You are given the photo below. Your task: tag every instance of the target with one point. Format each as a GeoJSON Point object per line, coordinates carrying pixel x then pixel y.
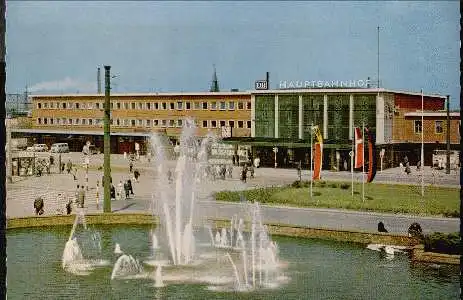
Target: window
{"type": "Point", "coordinates": [213, 105]}
{"type": "Point", "coordinates": [112, 105]}
{"type": "Point", "coordinates": [418, 126]}
{"type": "Point", "coordinates": [52, 104]}
{"type": "Point", "coordinates": [97, 105]}
{"type": "Point", "coordinates": [45, 121]}
{"type": "Point", "coordinates": [140, 123]}
{"type": "Point", "coordinates": [69, 121]}
{"type": "Point", "coordinates": [222, 123]}
{"type": "Point", "coordinates": [148, 105]}
{"type": "Point", "coordinates": [148, 122]}
{"type": "Point", "coordinates": [439, 127]}
{"type": "Point", "coordinates": [188, 105]}
{"type": "Point", "coordinates": [90, 121]}
{"type": "Point", "coordinates": [240, 124]}
{"type": "Point", "coordinates": [111, 121]}
{"type": "Point", "coordinates": [172, 105]}
{"type": "Point", "coordinates": [204, 123]}
{"type": "Point", "coordinates": [213, 123]}
{"type": "Point", "coordinates": [132, 122]}
{"type": "Point", "coordinates": [248, 105]}
{"type": "Point", "coordinates": [39, 120]}
{"type": "Point", "coordinates": [39, 105]}
{"type": "Point", "coordinates": [204, 105]}
{"type": "Point", "coordinates": [98, 122]}
{"type": "Point", "coordinates": [118, 104]}
{"type": "Point", "coordinates": [156, 105]}
{"type": "Point", "coordinates": [240, 105]}
{"type": "Point", "coordinates": [197, 105]}
{"type": "Point", "coordinates": [248, 124]}
{"type": "Point", "coordinates": [76, 121]}
{"type": "Point", "coordinates": [51, 121]}
{"type": "Point", "coordinates": [231, 124]}
{"type": "Point", "coordinates": [179, 105]}
{"type": "Point", "coordinates": [223, 105]}
{"type": "Point", "coordinates": [126, 105]}
{"type": "Point", "coordinates": [57, 121]}
{"type": "Point", "coordinates": [126, 122]}
{"type": "Point", "coordinates": [179, 123]}
{"type": "Point", "coordinates": [140, 105]}
{"type": "Point", "coordinates": [63, 105]}
{"type": "Point", "coordinates": [231, 105]}
{"type": "Point", "coordinates": [90, 105]}
{"type": "Point", "coordinates": [84, 121]}
{"type": "Point", "coordinates": [155, 122]}
{"type": "Point", "coordinates": [132, 105]}
{"type": "Point", "coordinates": [45, 105]}
{"type": "Point", "coordinates": [63, 121]}
{"type": "Point", "coordinates": [164, 105]}
{"type": "Point", "coordinates": [118, 122]}
{"type": "Point", "coordinates": [164, 123]}
{"type": "Point", "coordinates": [171, 123]}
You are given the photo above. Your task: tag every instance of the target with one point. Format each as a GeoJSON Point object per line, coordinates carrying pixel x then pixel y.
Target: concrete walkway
{"type": "Point", "coordinates": [22, 192]}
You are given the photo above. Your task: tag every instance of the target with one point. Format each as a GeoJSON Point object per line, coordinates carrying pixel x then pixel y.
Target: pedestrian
{"type": "Point", "coordinates": [251, 169]}
{"type": "Point", "coordinates": [136, 175]}
{"type": "Point", "coordinates": [97, 195]}
{"type": "Point", "coordinates": [120, 188]}
{"type": "Point", "coordinates": [74, 172]}
{"type": "Point", "coordinates": [130, 166]}
{"type": "Point", "coordinates": [39, 205]}
{"type": "Point", "coordinates": [230, 171]}
{"type": "Point", "coordinates": [129, 185]}
{"type": "Point", "coordinates": [381, 227]}
{"type": "Point", "coordinates": [149, 156]}
{"type": "Point", "coordinates": [233, 159]}
{"type": "Point", "coordinates": [299, 171]}
{"type": "Point", "coordinates": [169, 176]}
{"type": "Point", "coordinates": [113, 192]}
{"type": "Point", "coordinates": [76, 195]}
{"type": "Point", "coordinates": [126, 189]}
{"type": "Point", "coordinates": [69, 207]}
{"type": "Point", "coordinates": [69, 166]}
{"type": "Point", "coordinates": [244, 172]}
{"type": "Point", "coordinates": [81, 197]}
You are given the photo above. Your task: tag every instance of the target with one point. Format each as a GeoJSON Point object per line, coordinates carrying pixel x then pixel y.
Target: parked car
{"type": "Point", "coordinates": [59, 148]}
{"type": "Point", "coordinates": [40, 147]}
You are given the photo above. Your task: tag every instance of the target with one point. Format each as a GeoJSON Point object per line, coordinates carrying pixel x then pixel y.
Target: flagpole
{"type": "Point", "coordinates": [352, 160]}
{"type": "Point", "coordinates": [311, 161]}
{"type": "Point", "coordinates": [422, 144]}
{"type": "Point", "coordinates": [363, 162]}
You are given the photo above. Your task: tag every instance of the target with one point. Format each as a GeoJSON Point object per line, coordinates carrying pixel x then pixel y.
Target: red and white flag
{"type": "Point", "coordinates": [358, 148]}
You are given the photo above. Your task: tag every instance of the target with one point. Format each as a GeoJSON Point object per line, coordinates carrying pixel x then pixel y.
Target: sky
{"type": "Point", "coordinates": [55, 47]}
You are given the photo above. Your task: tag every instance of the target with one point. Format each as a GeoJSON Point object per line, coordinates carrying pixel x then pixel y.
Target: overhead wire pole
{"type": "Point", "coordinates": [422, 144]}
{"type": "Point", "coordinates": [447, 167]}
{"type": "Point", "coordinates": [378, 57]}
{"type": "Point", "coordinates": [363, 162]}
{"type": "Point", "coordinates": [311, 161]}
{"type": "Point", "coordinates": [107, 143]}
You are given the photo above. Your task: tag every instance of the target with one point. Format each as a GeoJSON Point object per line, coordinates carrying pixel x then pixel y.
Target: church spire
{"type": "Point", "coordinates": [215, 82]}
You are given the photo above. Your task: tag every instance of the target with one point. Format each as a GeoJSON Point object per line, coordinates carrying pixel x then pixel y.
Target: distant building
{"type": "Point", "coordinates": [258, 120]}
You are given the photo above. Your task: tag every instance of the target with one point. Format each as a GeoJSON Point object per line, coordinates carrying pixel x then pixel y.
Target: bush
{"type": "Point", "coordinates": [316, 193]}
{"type": "Point", "coordinates": [322, 184]}
{"type": "Point", "coordinates": [333, 185]}
{"type": "Point", "coordinates": [451, 214]}
{"type": "Point", "coordinates": [344, 186]}
{"type": "Point", "coordinates": [442, 243]}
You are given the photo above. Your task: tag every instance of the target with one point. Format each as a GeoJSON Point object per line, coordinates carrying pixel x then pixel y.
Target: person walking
{"type": "Point", "coordinates": [120, 187]}
{"type": "Point", "coordinates": [69, 166]}
{"type": "Point", "coordinates": [126, 189]}
{"type": "Point", "coordinates": [97, 194]}
{"type": "Point", "coordinates": [81, 197]}
{"type": "Point", "coordinates": [251, 170]}
{"type": "Point", "coordinates": [129, 184]}
{"type": "Point", "coordinates": [130, 166]}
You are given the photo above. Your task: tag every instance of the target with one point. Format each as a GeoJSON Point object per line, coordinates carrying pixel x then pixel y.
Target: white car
{"type": "Point", "coordinates": [40, 148]}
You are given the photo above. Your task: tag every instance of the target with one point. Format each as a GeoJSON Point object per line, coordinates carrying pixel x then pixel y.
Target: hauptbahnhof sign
{"type": "Point", "coordinates": [308, 84]}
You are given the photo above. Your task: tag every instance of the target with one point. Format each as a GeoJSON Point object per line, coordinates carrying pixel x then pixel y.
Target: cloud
{"type": "Point", "coordinates": [64, 85]}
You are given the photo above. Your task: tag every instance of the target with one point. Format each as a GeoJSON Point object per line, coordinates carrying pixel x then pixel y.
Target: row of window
{"type": "Point", "coordinates": [178, 105]}
{"type": "Point", "coordinates": [438, 126]}
{"type": "Point", "coordinates": [144, 123]}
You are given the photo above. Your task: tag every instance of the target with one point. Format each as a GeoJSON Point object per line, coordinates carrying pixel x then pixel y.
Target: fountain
{"type": "Point", "coordinates": [126, 265]}
{"type": "Point", "coordinates": [73, 259]}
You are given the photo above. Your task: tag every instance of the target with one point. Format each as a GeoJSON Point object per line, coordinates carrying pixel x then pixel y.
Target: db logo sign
{"type": "Point", "coordinates": [261, 85]}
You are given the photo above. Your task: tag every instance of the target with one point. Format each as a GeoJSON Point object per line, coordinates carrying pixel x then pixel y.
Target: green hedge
{"type": "Point", "coordinates": [442, 243]}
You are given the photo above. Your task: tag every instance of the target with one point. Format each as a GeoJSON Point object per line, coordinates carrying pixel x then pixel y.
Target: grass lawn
{"type": "Point", "coordinates": [392, 198]}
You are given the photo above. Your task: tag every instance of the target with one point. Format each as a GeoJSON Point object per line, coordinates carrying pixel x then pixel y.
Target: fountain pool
{"type": "Point", "coordinates": [314, 270]}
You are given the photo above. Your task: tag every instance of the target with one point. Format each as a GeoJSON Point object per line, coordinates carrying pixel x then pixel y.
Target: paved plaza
{"type": "Point", "coordinates": [22, 192]}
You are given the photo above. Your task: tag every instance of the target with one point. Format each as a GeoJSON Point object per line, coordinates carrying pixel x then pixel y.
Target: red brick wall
{"type": "Point", "coordinates": [413, 102]}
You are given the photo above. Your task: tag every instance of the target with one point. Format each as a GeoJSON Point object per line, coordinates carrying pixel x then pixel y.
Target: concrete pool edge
{"type": "Point", "coordinates": [413, 245]}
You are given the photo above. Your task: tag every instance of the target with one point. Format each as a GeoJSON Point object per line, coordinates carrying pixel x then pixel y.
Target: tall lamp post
{"type": "Point", "coordinates": [107, 143]}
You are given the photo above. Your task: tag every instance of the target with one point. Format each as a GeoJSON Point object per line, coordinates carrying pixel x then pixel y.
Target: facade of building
{"type": "Point", "coordinates": [260, 119]}
{"type": "Point", "coordinates": [134, 117]}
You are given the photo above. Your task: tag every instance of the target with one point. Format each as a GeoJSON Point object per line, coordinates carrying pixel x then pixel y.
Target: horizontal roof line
{"type": "Point", "coordinates": [74, 132]}
{"type": "Point", "coordinates": [246, 93]}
